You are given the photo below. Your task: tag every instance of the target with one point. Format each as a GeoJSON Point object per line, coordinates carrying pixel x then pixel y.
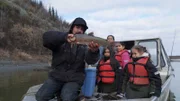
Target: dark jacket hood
{"type": "Point", "coordinates": [79, 21]}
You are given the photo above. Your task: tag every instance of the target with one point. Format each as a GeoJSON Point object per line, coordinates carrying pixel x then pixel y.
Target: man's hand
{"type": "Point", "coordinates": [155, 94]}
{"type": "Point", "coordinates": [71, 38]}
{"type": "Point", "coordinates": [93, 46]}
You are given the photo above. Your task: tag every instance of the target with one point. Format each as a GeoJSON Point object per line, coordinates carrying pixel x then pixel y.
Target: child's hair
{"type": "Point", "coordinates": [123, 44]}
{"type": "Point", "coordinates": [140, 48]}
{"type": "Point", "coordinates": [113, 61]}
{"type": "Point", "coordinates": [111, 36]}
{"type": "Point", "coordinates": [112, 53]}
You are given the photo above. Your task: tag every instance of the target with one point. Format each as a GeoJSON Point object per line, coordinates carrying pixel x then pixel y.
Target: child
{"type": "Point", "coordinates": [110, 38]}
{"type": "Point", "coordinates": [108, 73]}
{"type": "Point", "coordinates": [122, 55]}
{"type": "Point", "coordinates": [141, 78]}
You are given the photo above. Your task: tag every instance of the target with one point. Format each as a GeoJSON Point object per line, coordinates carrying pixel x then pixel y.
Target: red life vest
{"type": "Point", "coordinates": [106, 73]}
{"type": "Point", "coordinates": [118, 56]}
{"type": "Point", "coordinates": [138, 72]}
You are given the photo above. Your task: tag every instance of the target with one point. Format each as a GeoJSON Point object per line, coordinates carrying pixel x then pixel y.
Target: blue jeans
{"type": "Point", "coordinates": [51, 87]}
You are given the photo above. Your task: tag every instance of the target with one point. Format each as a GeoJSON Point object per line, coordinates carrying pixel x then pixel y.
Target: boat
{"type": "Point", "coordinates": [160, 59]}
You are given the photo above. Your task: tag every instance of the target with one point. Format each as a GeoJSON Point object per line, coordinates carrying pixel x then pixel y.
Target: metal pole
{"type": "Point", "coordinates": [173, 42]}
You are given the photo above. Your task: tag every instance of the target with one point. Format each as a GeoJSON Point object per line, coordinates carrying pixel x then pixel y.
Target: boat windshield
{"type": "Point", "coordinates": [151, 47]}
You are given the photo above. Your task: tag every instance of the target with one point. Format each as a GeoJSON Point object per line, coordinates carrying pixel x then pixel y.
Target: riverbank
{"type": "Point", "coordinates": [17, 56]}
{"type": "Point", "coordinates": [174, 57]}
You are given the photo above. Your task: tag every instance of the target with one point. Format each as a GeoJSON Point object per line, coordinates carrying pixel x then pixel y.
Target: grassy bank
{"type": "Point", "coordinates": [18, 55]}
{"type": "Point", "coordinates": [22, 23]}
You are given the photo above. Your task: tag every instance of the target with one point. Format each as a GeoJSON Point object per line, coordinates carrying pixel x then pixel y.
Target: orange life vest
{"type": "Point", "coordinates": [106, 74]}
{"type": "Point", "coordinates": [138, 72]}
{"type": "Point", "coordinates": [118, 56]}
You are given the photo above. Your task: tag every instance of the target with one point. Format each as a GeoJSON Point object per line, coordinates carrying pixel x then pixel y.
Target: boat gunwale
{"type": "Point", "coordinates": [163, 86]}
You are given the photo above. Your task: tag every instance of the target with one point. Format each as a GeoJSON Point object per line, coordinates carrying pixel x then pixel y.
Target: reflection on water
{"type": "Point", "coordinates": [175, 82]}
{"type": "Point", "coordinates": [14, 85]}
{"type": "Point", "coordinates": [171, 96]}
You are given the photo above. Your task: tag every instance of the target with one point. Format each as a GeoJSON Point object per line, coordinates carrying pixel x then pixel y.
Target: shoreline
{"type": "Point", "coordinates": [174, 57]}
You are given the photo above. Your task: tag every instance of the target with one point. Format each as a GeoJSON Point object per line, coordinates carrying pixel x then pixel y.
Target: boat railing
{"type": "Point", "coordinates": [164, 86]}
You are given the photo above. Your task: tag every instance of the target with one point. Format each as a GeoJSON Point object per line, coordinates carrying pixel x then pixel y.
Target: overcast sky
{"type": "Point", "coordinates": [126, 19]}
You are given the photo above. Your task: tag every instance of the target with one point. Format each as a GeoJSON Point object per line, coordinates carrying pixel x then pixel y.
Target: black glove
{"type": "Point", "coordinates": [157, 93]}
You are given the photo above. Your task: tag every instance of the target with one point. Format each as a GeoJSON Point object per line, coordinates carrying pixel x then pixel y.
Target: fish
{"type": "Point", "coordinates": [86, 39]}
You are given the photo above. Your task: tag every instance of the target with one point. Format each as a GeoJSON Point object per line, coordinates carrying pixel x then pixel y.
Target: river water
{"type": "Point", "coordinates": [16, 79]}
{"type": "Point", "coordinates": [176, 81]}
{"type": "Point", "coordinates": [14, 84]}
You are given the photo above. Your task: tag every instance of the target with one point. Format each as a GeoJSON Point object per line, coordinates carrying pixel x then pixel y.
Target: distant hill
{"type": "Point", "coordinates": [22, 23]}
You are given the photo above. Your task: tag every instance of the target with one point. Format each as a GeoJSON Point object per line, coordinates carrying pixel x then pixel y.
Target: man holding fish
{"type": "Point", "coordinates": [68, 62]}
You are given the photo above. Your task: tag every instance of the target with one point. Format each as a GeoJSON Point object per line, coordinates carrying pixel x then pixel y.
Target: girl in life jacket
{"type": "Point", "coordinates": [122, 55]}
{"type": "Point", "coordinates": [108, 73]}
{"type": "Point", "coordinates": [141, 78]}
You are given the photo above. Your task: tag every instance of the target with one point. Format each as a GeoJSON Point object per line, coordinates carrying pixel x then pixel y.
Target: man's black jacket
{"type": "Point", "coordinates": [68, 60]}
